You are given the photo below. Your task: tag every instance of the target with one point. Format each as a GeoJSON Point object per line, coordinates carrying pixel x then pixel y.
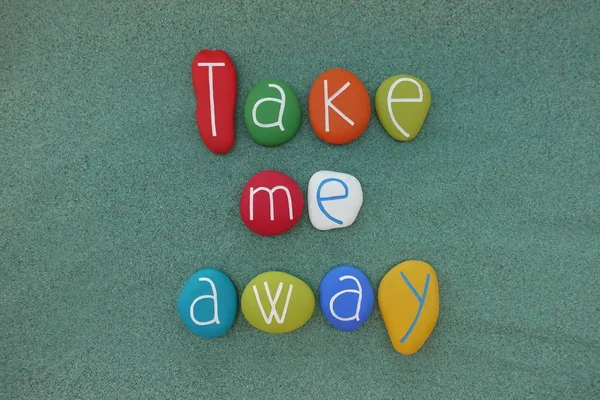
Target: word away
{"type": "Point", "coordinates": [277, 302]}
{"type": "Point", "coordinates": [339, 105]}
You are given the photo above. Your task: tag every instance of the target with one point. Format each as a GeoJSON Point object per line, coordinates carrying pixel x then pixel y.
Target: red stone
{"type": "Point", "coordinates": [215, 114]}
{"type": "Point", "coordinates": [265, 206]}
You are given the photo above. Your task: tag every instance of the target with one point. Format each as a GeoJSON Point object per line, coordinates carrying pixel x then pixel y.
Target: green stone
{"type": "Point", "coordinates": [277, 302]}
{"type": "Point", "coordinates": [402, 103]}
{"type": "Point", "coordinates": [272, 112]}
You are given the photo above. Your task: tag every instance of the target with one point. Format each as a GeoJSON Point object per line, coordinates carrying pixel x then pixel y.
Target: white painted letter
{"type": "Point", "coordinates": [213, 296]}
{"type": "Point", "coordinates": [281, 108]}
{"type": "Point", "coordinates": [271, 205]}
{"type": "Point", "coordinates": [273, 302]}
{"type": "Point", "coordinates": [328, 104]}
{"type": "Point", "coordinates": [391, 100]}
{"type": "Point", "coordinates": [211, 92]}
{"type": "Point", "coordinates": [359, 292]}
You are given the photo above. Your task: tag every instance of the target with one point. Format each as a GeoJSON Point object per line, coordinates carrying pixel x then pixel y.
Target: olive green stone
{"type": "Point", "coordinates": [272, 112]}
{"type": "Point", "coordinates": [402, 103]}
{"type": "Point", "coordinates": [277, 302]}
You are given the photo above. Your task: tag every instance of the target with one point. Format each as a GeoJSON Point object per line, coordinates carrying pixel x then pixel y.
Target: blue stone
{"type": "Point", "coordinates": [208, 303]}
{"type": "Point", "coordinates": [346, 297]}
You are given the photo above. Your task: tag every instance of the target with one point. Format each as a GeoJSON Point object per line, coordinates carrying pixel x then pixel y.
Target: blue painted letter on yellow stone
{"type": "Point", "coordinates": [408, 298]}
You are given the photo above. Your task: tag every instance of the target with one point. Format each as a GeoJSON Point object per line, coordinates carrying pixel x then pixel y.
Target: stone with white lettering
{"type": "Point", "coordinates": [207, 303]}
{"type": "Point", "coordinates": [215, 84]}
{"type": "Point", "coordinates": [339, 106]}
{"type": "Point", "coordinates": [334, 200]}
{"type": "Point", "coordinates": [271, 203]}
{"type": "Point", "coordinates": [272, 112]}
{"type": "Point", "coordinates": [346, 297]}
{"type": "Point", "coordinates": [402, 103]}
{"type": "Point", "coordinates": [277, 302]}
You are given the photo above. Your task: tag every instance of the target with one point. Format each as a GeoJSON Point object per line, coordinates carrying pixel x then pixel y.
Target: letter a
{"type": "Point", "coordinates": [281, 108]}
{"type": "Point", "coordinates": [213, 296]}
{"type": "Point", "coordinates": [329, 104]}
{"type": "Point", "coordinates": [273, 303]}
{"type": "Point", "coordinates": [358, 292]}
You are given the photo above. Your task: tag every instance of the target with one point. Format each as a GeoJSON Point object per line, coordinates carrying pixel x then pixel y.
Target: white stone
{"type": "Point", "coordinates": [334, 200]}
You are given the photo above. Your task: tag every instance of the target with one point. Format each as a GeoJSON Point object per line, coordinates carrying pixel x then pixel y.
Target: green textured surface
{"type": "Point", "coordinates": [109, 201]}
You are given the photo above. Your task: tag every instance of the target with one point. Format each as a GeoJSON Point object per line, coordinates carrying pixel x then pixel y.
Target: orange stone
{"type": "Point", "coordinates": [339, 106]}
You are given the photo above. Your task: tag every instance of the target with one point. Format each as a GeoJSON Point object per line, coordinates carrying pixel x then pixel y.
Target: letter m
{"type": "Point", "coordinates": [253, 191]}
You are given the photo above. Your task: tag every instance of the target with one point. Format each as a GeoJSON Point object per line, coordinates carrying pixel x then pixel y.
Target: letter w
{"type": "Point", "coordinates": [273, 303]}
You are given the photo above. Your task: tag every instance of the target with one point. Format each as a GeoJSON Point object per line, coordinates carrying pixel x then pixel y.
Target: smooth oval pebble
{"type": "Point", "coordinates": [408, 298]}
{"type": "Point", "coordinates": [271, 203]}
{"type": "Point", "coordinates": [272, 112]}
{"type": "Point", "coordinates": [207, 303]}
{"type": "Point", "coordinates": [402, 103]}
{"type": "Point", "coordinates": [277, 302]}
{"type": "Point", "coordinates": [339, 106]}
{"type": "Point", "coordinates": [346, 297]}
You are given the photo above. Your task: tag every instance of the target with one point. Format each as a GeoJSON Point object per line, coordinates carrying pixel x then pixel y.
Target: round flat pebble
{"type": "Point", "coordinates": [339, 106]}
{"type": "Point", "coordinates": [271, 203]}
{"type": "Point", "coordinates": [208, 304]}
{"type": "Point", "coordinates": [402, 103]}
{"type": "Point", "coordinates": [272, 112]}
{"type": "Point", "coordinates": [277, 302]}
{"type": "Point", "coordinates": [408, 298]}
{"type": "Point", "coordinates": [346, 297]}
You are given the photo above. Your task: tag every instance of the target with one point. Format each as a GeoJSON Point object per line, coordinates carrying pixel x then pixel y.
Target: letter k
{"type": "Point", "coordinates": [329, 104]}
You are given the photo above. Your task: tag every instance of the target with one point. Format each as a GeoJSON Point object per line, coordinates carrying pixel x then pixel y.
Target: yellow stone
{"type": "Point", "coordinates": [408, 298]}
{"type": "Point", "coordinates": [402, 103]}
{"type": "Point", "coordinates": [277, 302]}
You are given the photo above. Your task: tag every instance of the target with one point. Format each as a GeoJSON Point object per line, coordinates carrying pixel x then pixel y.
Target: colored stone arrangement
{"type": "Point", "coordinates": [339, 105]}
{"type": "Point", "coordinates": [271, 203]}
{"type": "Point", "coordinates": [277, 302]}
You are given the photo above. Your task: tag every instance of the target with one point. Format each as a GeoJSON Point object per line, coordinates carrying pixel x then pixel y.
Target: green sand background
{"type": "Point", "coordinates": [109, 201]}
